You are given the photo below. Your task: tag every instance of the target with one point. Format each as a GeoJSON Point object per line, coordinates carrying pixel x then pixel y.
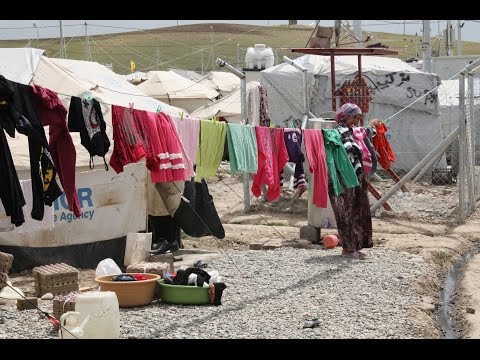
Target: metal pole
{"type": "Point", "coordinates": [427, 50]}
{"type": "Point", "coordinates": [88, 52]}
{"type": "Point", "coordinates": [332, 76]}
{"type": "Point", "coordinates": [415, 169]}
{"type": "Point", "coordinates": [201, 53]}
{"type": "Point", "coordinates": [461, 147]}
{"type": "Point", "coordinates": [35, 26]}
{"type": "Point", "coordinates": [448, 39]}
{"type": "Point", "coordinates": [472, 139]}
{"type": "Point", "coordinates": [62, 42]}
{"type": "Point", "coordinates": [459, 38]}
{"type": "Point", "coordinates": [238, 55]}
{"type": "Point", "coordinates": [243, 95]}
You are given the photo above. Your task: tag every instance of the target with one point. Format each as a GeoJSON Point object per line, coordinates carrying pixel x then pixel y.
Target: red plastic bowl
{"type": "Point", "coordinates": [330, 241]}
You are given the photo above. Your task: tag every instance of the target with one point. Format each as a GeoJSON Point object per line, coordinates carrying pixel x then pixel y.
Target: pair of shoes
{"type": "Point", "coordinates": [165, 247]}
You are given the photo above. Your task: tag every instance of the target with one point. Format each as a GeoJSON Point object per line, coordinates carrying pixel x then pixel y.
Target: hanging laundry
{"type": "Point", "coordinates": [385, 152]}
{"type": "Point", "coordinates": [353, 150]}
{"type": "Point", "coordinates": [210, 148]}
{"type": "Point", "coordinates": [10, 189]}
{"type": "Point", "coordinates": [272, 157]}
{"type": "Point", "coordinates": [85, 116]}
{"type": "Point", "coordinates": [164, 154]}
{"type": "Point", "coordinates": [253, 104]}
{"type": "Point", "coordinates": [188, 131]}
{"type": "Point", "coordinates": [242, 148]}
{"type": "Point", "coordinates": [42, 170]}
{"type": "Point", "coordinates": [371, 133]}
{"type": "Point", "coordinates": [338, 161]}
{"type": "Point", "coordinates": [359, 134]}
{"type": "Point", "coordinates": [53, 114]}
{"type": "Point", "coordinates": [293, 143]}
{"type": "Point", "coordinates": [30, 225]}
{"type": "Point", "coordinates": [198, 217]}
{"type": "Point", "coordinates": [127, 141]}
{"type": "Point", "coordinates": [264, 117]}
{"type": "Point", "coordinates": [316, 156]}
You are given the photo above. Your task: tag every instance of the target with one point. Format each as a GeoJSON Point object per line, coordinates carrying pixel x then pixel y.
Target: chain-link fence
{"type": "Point", "coordinates": [444, 185]}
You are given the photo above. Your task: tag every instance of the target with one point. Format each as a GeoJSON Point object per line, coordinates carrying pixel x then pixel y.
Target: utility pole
{"type": "Point", "coordinates": [427, 50]}
{"type": "Point", "coordinates": [211, 46]}
{"type": "Point", "coordinates": [62, 42]}
{"type": "Point", "coordinates": [88, 51]}
{"type": "Point", "coordinates": [35, 26]}
{"type": "Point", "coordinates": [201, 53]}
{"type": "Point", "coordinates": [459, 38]}
{"type": "Point", "coordinates": [157, 57]}
{"type": "Point", "coordinates": [238, 55]}
{"type": "Point", "coordinates": [448, 38]}
{"type": "Point", "coordinates": [357, 30]}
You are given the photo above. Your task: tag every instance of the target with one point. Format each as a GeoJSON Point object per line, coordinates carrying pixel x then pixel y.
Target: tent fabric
{"type": "Point", "coordinates": [189, 74]}
{"type": "Point", "coordinates": [223, 82]}
{"type": "Point", "coordinates": [19, 64]}
{"type": "Point", "coordinates": [228, 107]}
{"type": "Point", "coordinates": [176, 90]}
{"type": "Point", "coordinates": [393, 85]}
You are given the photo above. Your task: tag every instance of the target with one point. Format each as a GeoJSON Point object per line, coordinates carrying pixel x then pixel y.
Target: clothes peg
{"type": "Point", "coordinates": [159, 109]}
{"type": "Point", "coordinates": [181, 115]}
{"type": "Point", "coordinates": [87, 95]}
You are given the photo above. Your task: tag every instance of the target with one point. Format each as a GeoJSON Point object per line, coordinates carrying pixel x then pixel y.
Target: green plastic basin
{"type": "Point", "coordinates": [183, 294]}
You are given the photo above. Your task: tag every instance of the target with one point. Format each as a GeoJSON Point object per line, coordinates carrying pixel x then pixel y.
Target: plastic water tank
{"type": "Point", "coordinates": [259, 57]}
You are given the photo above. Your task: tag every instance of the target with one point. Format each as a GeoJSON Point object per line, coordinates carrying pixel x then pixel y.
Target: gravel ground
{"type": "Point", "coordinates": [279, 293]}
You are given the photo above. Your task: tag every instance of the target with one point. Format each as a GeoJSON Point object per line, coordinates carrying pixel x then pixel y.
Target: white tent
{"type": "Point", "coordinates": [176, 90]}
{"type": "Point", "coordinates": [228, 107]}
{"type": "Point", "coordinates": [393, 84]}
{"type": "Point", "coordinates": [448, 95]}
{"type": "Point", "coordinates": [221, 81]}
{"type": "Point", "coordinates": [189, 74]}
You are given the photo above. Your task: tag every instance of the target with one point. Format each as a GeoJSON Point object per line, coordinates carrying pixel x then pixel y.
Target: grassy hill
{"type": "Point", "coordinates": [195, 47]}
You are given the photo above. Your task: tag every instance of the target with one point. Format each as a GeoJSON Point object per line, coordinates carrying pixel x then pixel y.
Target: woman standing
{"type": "Point", "coordinates": [352, 207]}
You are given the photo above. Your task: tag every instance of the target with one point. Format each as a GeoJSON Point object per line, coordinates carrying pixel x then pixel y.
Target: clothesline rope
{"type": "Point", "coordinates": [387, 121]}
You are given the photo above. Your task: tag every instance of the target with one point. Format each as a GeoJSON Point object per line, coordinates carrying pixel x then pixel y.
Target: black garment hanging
{"type": "Point", "coordinates": [18, 107]}
{"type": "Point", "coordinates": [198, 217]}
{"type": "Point", "coordinates": [85, 116]}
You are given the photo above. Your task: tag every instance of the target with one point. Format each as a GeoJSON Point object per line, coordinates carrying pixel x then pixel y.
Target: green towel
{"type": "Point", "coordinates": [210, 148]}
{"type": "Point", "coordinates": [242, 148]}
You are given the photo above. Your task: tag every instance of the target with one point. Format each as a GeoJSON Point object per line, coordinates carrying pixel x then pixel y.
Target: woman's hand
{"type": "Point", "coordinates": [374, 122]}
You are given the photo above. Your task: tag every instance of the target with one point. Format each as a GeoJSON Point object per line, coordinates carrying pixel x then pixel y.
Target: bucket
{"type": "Point", "coordinates": [103, 310]}
{"type": "Point", "coordinates": [330, 241]}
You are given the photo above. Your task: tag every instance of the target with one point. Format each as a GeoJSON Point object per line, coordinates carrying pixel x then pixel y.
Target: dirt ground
{"type": "Point", "coordinates": [423, 222]}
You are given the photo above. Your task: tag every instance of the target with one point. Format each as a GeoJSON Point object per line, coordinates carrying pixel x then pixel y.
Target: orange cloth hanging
{"type": "Point", "coordinates": [385, 152]}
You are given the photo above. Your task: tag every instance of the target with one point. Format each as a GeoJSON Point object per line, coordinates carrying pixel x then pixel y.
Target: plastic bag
{"type": "Point", "coordinates": [107, 267]}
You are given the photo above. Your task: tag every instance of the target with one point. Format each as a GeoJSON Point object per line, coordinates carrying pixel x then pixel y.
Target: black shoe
{"type": "Point", "coordinates": [165, 247]}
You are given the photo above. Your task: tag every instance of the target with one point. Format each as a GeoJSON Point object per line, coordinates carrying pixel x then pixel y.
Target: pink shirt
{"type": "Point", "coordinates": [272, 157]}
{"type": "Point", "coordinates": [315, 149]}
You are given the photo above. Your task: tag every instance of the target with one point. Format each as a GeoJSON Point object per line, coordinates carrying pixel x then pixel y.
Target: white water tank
{"type": "Point", "coordinates": [259, 57]}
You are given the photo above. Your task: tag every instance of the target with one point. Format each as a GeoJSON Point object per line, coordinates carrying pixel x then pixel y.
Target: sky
{"type": "Point", "coordinates": [30, 29]}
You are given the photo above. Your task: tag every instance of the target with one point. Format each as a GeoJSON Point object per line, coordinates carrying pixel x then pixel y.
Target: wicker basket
{"type": "Point", "coordinates": [56, 279]}
{"type": "Point", "coordinates": [6, 261]}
